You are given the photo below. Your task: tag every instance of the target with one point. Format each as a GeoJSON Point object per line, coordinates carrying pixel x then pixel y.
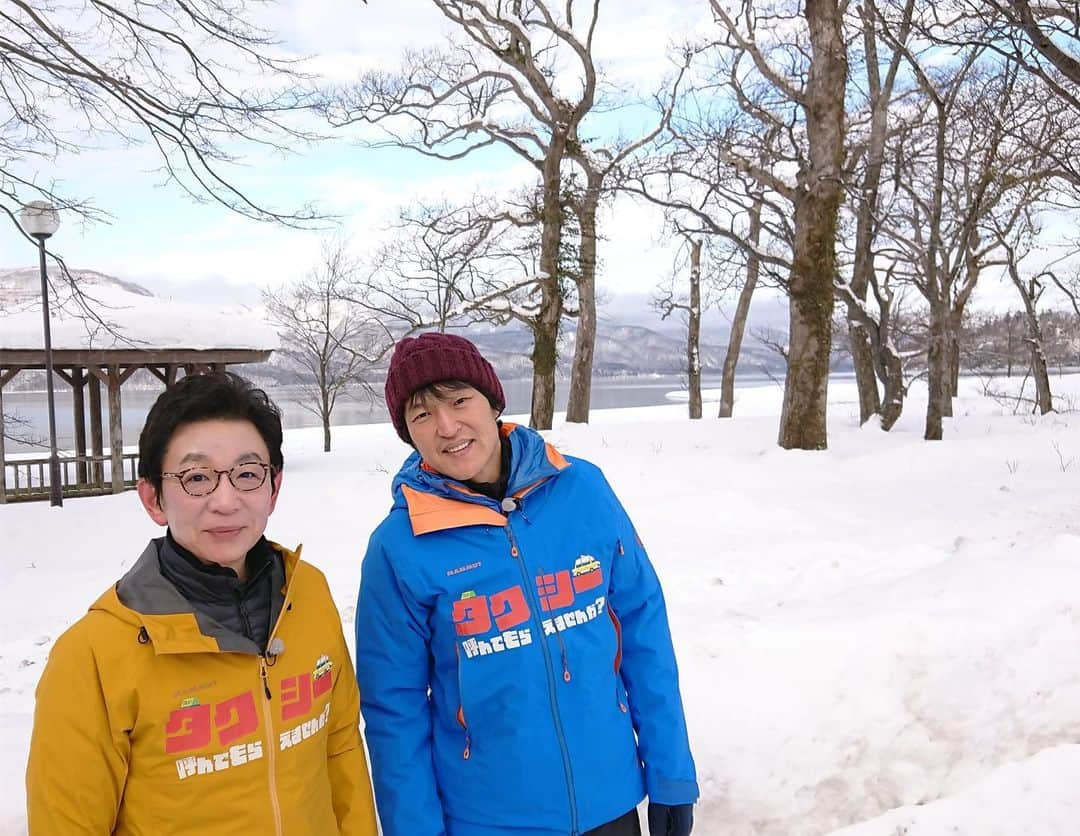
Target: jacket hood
{"type": "Point", "coordinates": [436, 502]}
{"type": "Point", "coordinates": [144, 599]}
{"type": "Point", "coordinates": [531, 460]}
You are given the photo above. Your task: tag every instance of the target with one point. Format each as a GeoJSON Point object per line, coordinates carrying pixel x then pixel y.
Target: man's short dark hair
{"type": "Point", "coordinates": [203, 397]}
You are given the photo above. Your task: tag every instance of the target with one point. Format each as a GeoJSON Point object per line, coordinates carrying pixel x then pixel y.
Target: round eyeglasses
{"type": "Point", "coordinates": [203, 481]}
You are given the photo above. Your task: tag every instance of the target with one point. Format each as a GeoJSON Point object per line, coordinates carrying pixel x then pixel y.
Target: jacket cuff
{"type": "Point", "coordinates": [664, 791]}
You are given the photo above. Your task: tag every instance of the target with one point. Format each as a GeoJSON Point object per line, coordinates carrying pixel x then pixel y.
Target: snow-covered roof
{"type": "Point", "coordinates": [123, 315]}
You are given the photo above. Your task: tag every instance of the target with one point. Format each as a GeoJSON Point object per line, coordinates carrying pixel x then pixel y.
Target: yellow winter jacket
{"type": "Point", "coordinates": [150, 723]}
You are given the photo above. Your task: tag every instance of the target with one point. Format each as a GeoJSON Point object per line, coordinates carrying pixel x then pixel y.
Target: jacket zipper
{"type": "Point", "coordinates": [562, 645]}
{"type": "Point", "coordinates": [461, 703]}
{"type": "Point", "coordinates": [530, 587]}
{"type": "Point", "coordinates": [618, 639]}
{"type": "Point", "coordinates": [617, 625]}
{"type": "Point", "coordinates": [271, 749]}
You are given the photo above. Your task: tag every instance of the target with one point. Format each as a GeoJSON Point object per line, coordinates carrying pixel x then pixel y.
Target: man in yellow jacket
{"type": "Point", "coordinates": [210, 690]}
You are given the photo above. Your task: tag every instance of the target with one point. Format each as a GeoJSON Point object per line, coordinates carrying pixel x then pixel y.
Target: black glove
{"type": "Point", "coordinates": [665, 820]}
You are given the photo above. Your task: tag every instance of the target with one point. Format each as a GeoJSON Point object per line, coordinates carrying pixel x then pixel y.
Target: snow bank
{"type": "Point", "coordinates": [868, 629]}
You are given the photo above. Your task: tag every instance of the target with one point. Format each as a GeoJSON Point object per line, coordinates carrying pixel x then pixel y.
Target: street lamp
{"type": "Point", "coordinates": [40, 220]}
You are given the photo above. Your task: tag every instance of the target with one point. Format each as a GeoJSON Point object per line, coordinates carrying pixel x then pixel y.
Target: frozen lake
{"type": "Point", "coordinates": [607, 393]}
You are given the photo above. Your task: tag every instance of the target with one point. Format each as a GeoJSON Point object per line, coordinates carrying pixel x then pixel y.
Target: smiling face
{"type": "Point", "coordinates": [456, 433]}
{"type": "Point", "coordinates": [223, 526]}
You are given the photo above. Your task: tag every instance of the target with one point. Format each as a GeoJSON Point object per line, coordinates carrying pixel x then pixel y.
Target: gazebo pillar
{"type": "Point", "coordinates": [5, 376]}
{"type": "Point", "coordinates": [78, 414]}
{"type": "Point", "coordinates": [116, 431]}
{"type": "Point", "coordinates": [76, 380]}
{"type": "Point", "coordinates": [97, 448]}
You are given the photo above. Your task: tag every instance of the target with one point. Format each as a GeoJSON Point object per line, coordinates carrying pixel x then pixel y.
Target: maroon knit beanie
{"type": "Point", "coordinates": [430, 358]}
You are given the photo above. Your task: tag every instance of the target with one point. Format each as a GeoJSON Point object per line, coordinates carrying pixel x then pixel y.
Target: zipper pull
{"type": "Point", "coordinates": [266, 684]}
{"type": "Point", "coordinates": [565, 667]}
{"type": "Point", "coordinates": [468, 749]}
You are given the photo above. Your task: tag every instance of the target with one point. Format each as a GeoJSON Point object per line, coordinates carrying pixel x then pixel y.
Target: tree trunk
{"type": "Point", "coordinates": [693, 333]}
{"type": "Point", "coordinates": [325, 409]}
{"type": "Point", "coordinates": [742, 313]}
{"type": "Point", "coordinates": [937, 369]}
{"type": "Point", "coordinates": [862, 359]}
{"type": "Point", "coordinates": [577, 409]}
{"type": "Point", "coordinates": [1008, 345]}
{"type": "Point", "coordinates": [544, 358]}
{"type": "Point", "coordinates": [869, 352]}
{"type": "Point", "coordinates": [954, 363]}
{"type": "Point", "coordinates": [1043, 396]}
{"type": "Point", "coordinates": [862, 354]}
{"type": "Point", "coordinates": [546, 327]}
{"type": "Point", "coordinates": [1044, 399]}
{"type": "Point", "coordinates": [893, 404]}
{"type": "Point", "coordinates": [888, 366]}
{"type": "Point", "coordinates": [802, 421]}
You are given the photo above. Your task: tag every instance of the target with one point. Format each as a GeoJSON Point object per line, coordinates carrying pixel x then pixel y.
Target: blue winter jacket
{"type": "Point", "coordinates": [506, 658]}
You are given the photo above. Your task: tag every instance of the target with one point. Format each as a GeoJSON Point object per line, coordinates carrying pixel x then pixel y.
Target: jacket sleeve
{"type": "Point", "coordinates": [350, 783]}
{"type": "Point", "coordinates": [78, 760]}
{"type": "Point", "coordinates": [649, 670]}
{"type": "Point", "coordinates": [392, 641]}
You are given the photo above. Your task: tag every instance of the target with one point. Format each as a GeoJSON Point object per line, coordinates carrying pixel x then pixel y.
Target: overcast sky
{"type": "Point", "coordinates": [160, 237]}
{"type": "Point", "coordinates": [158, 234]}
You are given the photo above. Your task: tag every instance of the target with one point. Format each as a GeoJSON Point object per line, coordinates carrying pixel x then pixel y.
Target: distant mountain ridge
{"type": "Point", "coordinates": [21, 285]}
{"type": "Point", "coordinates": [621, 349]}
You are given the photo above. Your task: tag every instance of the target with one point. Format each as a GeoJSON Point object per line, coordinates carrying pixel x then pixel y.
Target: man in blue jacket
{"type": "Point", "coordinates": [513, 649]}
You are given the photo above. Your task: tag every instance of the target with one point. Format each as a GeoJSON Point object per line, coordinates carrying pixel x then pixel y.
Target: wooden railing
{"type": "Point", "coordinates": [27, 479]}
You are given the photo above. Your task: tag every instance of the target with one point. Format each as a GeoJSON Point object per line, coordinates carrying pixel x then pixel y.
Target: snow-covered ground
{"type": "Point", "coordinates": [882, 637]}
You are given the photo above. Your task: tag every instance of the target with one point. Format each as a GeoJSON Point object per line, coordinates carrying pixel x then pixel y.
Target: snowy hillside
{"type": "Point", "coordinates": [890, 625]}
{"type": "Point", "coordinates": [112, 313]}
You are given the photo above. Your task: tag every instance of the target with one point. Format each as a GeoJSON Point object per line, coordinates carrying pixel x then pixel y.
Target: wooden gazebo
{"type": "Point", "coordinates": [130, 329]}
{"type": "Point", "coordinates": [87, 371]}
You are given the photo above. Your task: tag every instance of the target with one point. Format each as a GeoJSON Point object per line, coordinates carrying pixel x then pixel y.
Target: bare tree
{"type": "Point", "coordinates": [176, 74]}
{"type": "Point", "coordinates": [1030, 293]}
{"type": "Point", "coordinates": [873, 350]}
{"type": "Point", "coordinates": [704, 196]}
{"type": "Point", "coordinates": [817, 204]}
{"type": "Point", "coordinates": [448, 265]}
{"type": "Point", "coordinates": [668, 300]}
{"type": "Point", "coordinates": [1042, 36]}
{"type": "Point", "coordinates": [192, 79]}
{"type": "Point", "coordinates": [331, 342]}
{"type": "Point", "coordinates": [982, 122]}
{"type": "Point", "coordinates": [598, 164]}
{"type": "Point", "coordinates": [790, 81]}
{"type": "Point", "coordinates": [742, 310]}
{"type": "Point", "coordinates": [1069, 285]}
{"type": "Point", "coordinates": [504, 79]}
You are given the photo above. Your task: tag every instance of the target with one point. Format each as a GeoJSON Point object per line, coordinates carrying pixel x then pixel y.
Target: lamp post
{"type": "Point", "coordinates": [40, 220]}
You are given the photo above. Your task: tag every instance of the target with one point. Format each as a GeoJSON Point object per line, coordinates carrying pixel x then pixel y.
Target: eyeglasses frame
{"type": "Point", "coordinates": [268, 472]}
